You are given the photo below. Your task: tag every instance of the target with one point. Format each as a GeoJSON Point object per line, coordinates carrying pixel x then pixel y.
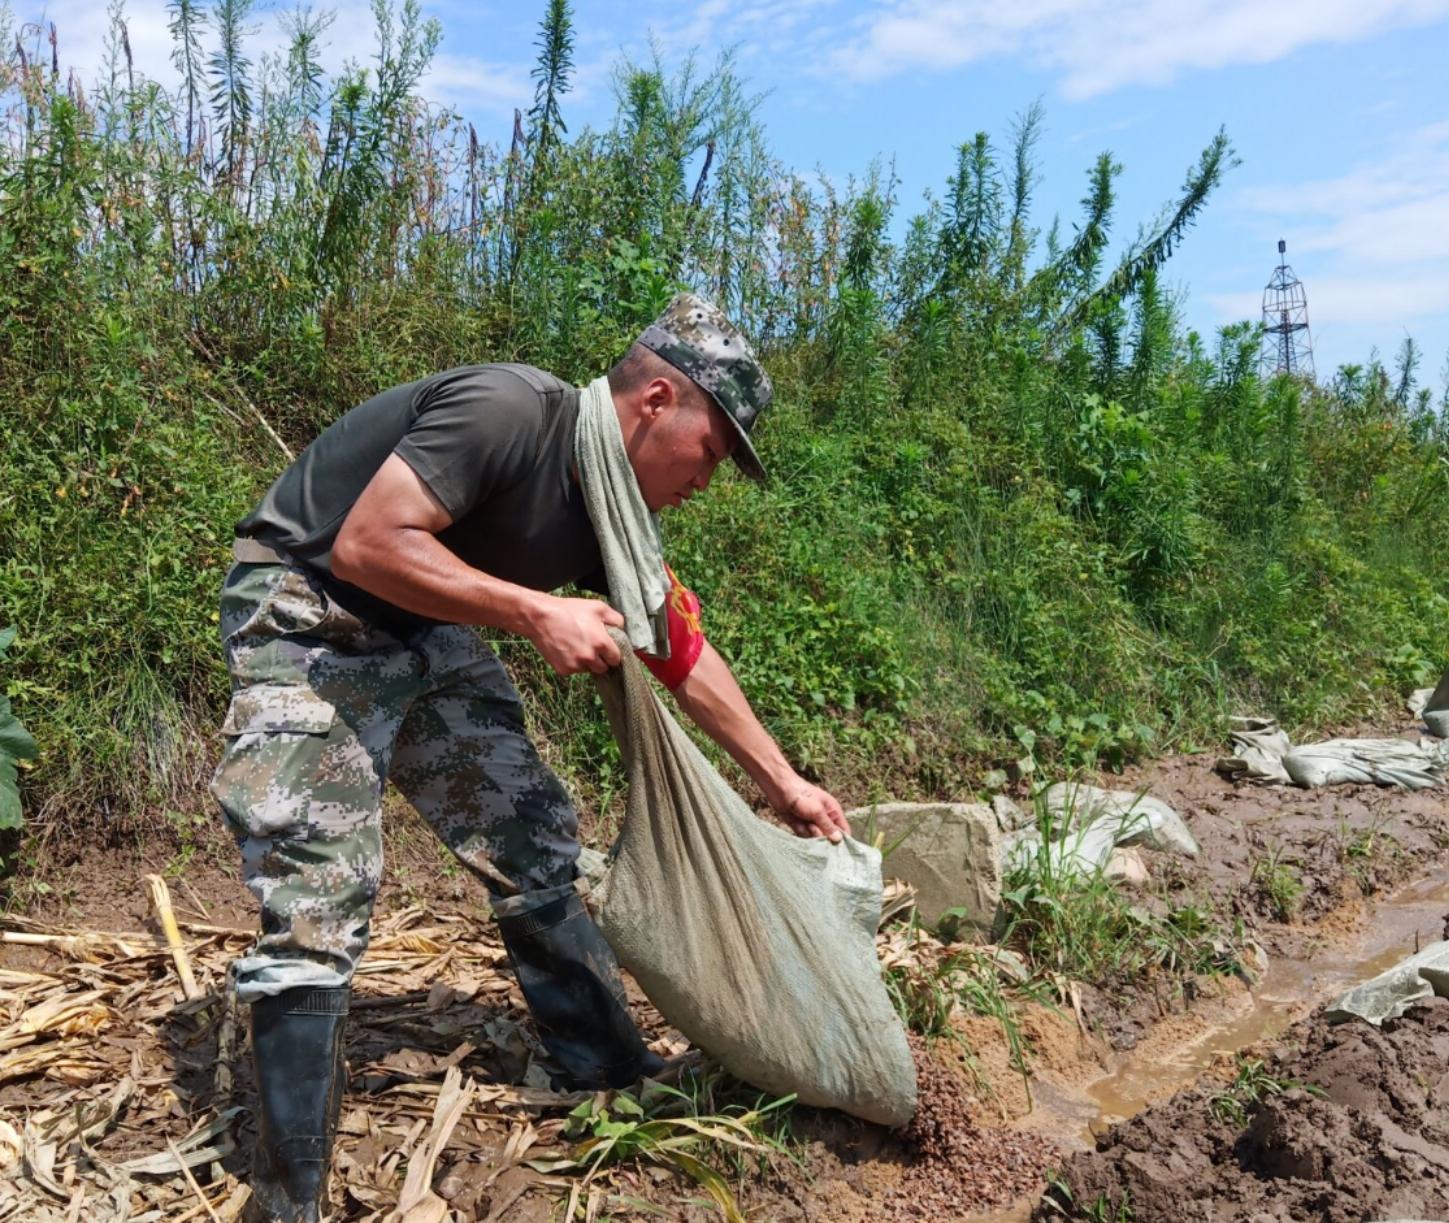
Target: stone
{"type": "Point", "coordinates": [1010, 817]}
{"type": "Point", "coordinates": [949, 852]}
{"type": "Point", "coordinates": [1126, 865]}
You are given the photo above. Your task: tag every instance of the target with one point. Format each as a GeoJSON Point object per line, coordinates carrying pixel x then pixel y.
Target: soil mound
{"type": "Point", "coordinates": [956, 1165]}
{"type": "Point", "coordinates": [1359, 1130]}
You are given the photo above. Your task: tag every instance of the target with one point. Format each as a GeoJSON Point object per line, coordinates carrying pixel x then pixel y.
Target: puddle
{"type": "Point", "coordinates": [1398, 926]}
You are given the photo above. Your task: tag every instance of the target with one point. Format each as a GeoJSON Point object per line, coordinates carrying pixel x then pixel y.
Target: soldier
{"type": "Point", "coordinates": [462, 500]}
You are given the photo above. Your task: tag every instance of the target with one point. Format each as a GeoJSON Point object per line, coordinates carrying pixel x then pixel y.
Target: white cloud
{"type": "Point", "coordinates": [785, 27]}
{"type": "Point", "coordinates": [1095, 46]}
{"type": "Point", "coordinates": [83, 27]}
{"type": "Point", "coordinates": [1104, 129]}
{"type": "Point", "coordinates": [468, 83]}
{"type": "Point", "coordinates": [1371, 245]}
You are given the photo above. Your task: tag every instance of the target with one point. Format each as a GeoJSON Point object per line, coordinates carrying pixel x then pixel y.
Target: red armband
{"type": "Point", "coordinates": [686, 638]}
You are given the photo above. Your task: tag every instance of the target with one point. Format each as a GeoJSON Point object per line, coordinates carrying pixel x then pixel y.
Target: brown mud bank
{"type": "Point", "coordinates": [1340, 1123]}
{"type": "Point", "coordinates": [435, 994]}
{"type": "Point", "coordinates": [1299, 873]}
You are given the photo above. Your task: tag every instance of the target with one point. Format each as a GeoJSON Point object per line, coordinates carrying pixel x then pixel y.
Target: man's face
{"type": "Point", "coordinates": [676, 443]}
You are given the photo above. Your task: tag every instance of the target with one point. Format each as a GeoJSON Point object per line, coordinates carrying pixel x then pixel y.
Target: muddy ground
{"type": "Point", "coordinates": [1354, 1126]}
{"type": "Point", "coordinates": [988, 1140]}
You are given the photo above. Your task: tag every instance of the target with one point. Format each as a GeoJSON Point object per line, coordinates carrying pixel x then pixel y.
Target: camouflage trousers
{"type": "Point", "coordinates": [325, 708]}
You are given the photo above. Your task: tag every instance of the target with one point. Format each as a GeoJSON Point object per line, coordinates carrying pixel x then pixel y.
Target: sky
{"type": "Point", "coordinates": [1338, 110]}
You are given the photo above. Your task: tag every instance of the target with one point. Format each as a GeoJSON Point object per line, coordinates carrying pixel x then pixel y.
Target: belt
{"type": "Point", "coordinates": [254, 552]}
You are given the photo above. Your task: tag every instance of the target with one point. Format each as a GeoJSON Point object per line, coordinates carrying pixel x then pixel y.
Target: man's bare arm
{"type": "Point", "coordinates": [388, 546]}
{"type": "Point", "coordinates": [712, 698]}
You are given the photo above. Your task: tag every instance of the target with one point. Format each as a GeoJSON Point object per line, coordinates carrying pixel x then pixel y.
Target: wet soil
{"type": "Point", "coordinates": [1358, 1129]}
{"type": "Point", "coordinates": [1123, 1051]}
{"type": "Point", "coordinates": [1342, 848]}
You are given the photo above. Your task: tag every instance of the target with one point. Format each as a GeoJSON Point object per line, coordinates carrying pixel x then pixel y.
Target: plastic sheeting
{"type": "Point", "coordinates": [758, 945]}
{"type": "Point", "coordinates": [1388, 995]}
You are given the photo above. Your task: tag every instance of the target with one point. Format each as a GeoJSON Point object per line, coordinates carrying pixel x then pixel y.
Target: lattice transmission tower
{"type": "Point", "coordinates": [1287, 342]}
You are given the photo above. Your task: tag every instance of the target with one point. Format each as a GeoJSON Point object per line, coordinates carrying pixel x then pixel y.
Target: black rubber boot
{"type": "Point", "coordinates": [570, 979]}
{"type": "Point", "coordinates": [297, 1052]}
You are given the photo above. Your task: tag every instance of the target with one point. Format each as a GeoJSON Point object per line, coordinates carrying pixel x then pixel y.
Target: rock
{"type": "Point", "coordinates": [1255, 959]}
{"type": "Point", "coordinates": [1126, 865]}
{"type": "Point", "coordinates": [1009, 817]}
{"type": "Point", "coordinates": [949, 852]}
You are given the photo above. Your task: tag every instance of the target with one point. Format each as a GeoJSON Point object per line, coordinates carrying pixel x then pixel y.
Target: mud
{"type": "Point", "coordinates": [1375, 1146]}
{"type": "Point", "coordinates": [1184, 1048]}
{"type": "Point", "coordinates": [1359, 1131]}
{"type": "Point", "coordinates": [1344, 847]}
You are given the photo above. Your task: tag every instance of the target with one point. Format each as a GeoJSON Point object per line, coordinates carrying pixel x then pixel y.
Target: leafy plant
{"type": "Point", "coordinates": [1279, 883]}
{"type": "Point", "coordinates": [16, 744]}
{"type": "Point", "coordinates": [1251, 1084]}
{"type": "Point", "coordinates": [664, 1128]}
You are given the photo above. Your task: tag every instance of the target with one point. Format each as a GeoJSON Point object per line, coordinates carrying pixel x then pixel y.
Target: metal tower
{"type": "Point", "coordinates": [1287, 342]}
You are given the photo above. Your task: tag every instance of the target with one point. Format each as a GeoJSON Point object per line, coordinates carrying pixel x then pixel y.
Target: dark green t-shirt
{"type": "Point", "coordinates": [495, 445]}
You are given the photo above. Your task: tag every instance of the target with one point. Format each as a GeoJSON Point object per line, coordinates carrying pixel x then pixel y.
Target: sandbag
{"type": "Point", "coordinates": [1422, 975]}
{"type": "Point", "coordinates": [1259, 746]}
{"type": "Point", "coordinates": [758, 945]}
{"type": "Point", "coordinates": [1383, 762]}
{"type": "Point", "coordinates": [1263, 753]}
{"type": "Point", "coordinates": [1435, 710]}
{"type": "Point", "coordinates": [1091, 822]}
{"type": "Point", "coordinates": [1135, 818]}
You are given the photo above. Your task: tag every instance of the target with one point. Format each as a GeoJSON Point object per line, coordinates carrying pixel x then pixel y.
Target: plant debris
{"type": "Point", "coordinates": [121, 1099]}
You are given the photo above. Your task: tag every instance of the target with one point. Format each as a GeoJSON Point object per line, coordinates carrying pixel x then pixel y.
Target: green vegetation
{"type": "Point", "coordinates": [1252, 1082]}
{"type": "Point", "coordinates": [1367, 852]}
{"type": "Point", "coordinates": [15, 745]}
{"type": "Point", "coordinates": [1014, 498]}
{"type": "Point", "coordinates": [1279, 883]}
{"type": "Point", "coordinates": [1102, 1209]}
{"type": "Point", "coordinates": [680, 1131]}
{"type": "Point", "coordinates": [1080, 924]}
{"type": "Point", "coordinates": [931, 984]}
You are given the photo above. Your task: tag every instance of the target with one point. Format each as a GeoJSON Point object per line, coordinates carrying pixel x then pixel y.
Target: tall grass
{"type": "Point", "coordinates": [1013, 492]}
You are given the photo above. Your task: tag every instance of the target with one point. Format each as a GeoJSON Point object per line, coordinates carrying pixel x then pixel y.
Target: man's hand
{"type": "Point", "coordinates": [573, 634]}
{"type": "Point", "coordinates": [812, 812]}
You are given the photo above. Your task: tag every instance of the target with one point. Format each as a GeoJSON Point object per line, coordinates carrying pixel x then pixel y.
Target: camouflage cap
{"type": "Point", "coordinates": [695, 337]}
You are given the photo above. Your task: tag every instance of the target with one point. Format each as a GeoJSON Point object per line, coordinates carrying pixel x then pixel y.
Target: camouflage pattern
{"type": "Point", "coordinates": [325, 707]}
{"type": "Point", "coordinates": [695, 337]}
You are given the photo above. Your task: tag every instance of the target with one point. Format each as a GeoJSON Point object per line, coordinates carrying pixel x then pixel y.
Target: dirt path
{"type": "Point", "coordinates": [437, 994]}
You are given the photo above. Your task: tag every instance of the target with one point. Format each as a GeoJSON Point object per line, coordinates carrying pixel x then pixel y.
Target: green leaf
{"type": "Point", "coordinates": [10, 812]}
{"type": "Point", "coordinates": [15, 741]}
{"type": "Point", "coordinates": [625, 1105]}
{"type": "Point", "coordinates": [7, 635]}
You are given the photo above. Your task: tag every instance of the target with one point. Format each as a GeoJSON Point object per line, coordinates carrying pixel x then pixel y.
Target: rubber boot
{"type": "Point", "coordinates": [570, 979]}
{"type": "Point", "coordinates": [297, 1052]}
